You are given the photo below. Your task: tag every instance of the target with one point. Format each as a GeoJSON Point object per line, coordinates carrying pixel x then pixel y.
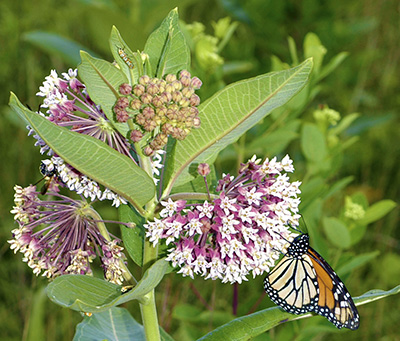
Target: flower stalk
{"type": "Point", "coordinates": [148, 309]}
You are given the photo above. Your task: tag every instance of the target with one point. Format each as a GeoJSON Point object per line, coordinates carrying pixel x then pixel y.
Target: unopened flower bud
{"type": "Point", "coordinates": [157, 101]}
{"type": "Point", "coordinates": [194, 100]}
{"type": "Point", "coordinates": [162, 138]}
{"type": "Point", "coordinates": [146, 98]}
{"type": "Point", "coordinates": [176, 96]}
{"type": "Point", "coordinates": [170, 78]}
{"type": "Point", "coordinates": [169, 88]}
{"type": "Point", "coordinates": [167, 128]}
{"type": "Point", "coordinates": [125, 89]}
{"type": "Point", "coordinates": [122, 102]}
{"type": "Point", "coordinates": [196, 122]}
{"type": "Point", "coordinates": [140, 119]}
{"type": "Point", "coordinates": [177, 85]}
{"type": "Point", "coordinates": [162, 111]}
{"type": "Point", "coordinates": [148, 151]}
{"type": "Point", "coordinates": [144, 80]}
{"type": "Point", "coordinates": [149, 125]}
{"type": "Point", "coordinates": [184, 102]}
{"type": "Point", "coordinates": [152, 89]}
{"type": "Point", "coordinates": [184, 73]}
{"type": "Point", "coordinates": [148, 113]}
{"type": "Point", "coordinates": [166, 96]}
{"type": "Point", "coordinates": [187, 92]}
{"type": "Point", "coordinates": [139, 90]}
{"type": "Point", "coordinates": [185, 81]}
{"type": "Point", "coordinates": [179, 134]}
{"type": "Point", "coordinates": [172, 114]}
{"type": "Point", "coordinates": [136, 135]}
{"type": "Point", "coordinates": [196, 83]}
{"type": "Point", "coordinates": [161, 85]}
{"type": "Point", "coordinates": [122, 116]}
{"type": "Point", "coordinates": [203, 169]}
{"type": "Point", "coordinates": [136, 104]}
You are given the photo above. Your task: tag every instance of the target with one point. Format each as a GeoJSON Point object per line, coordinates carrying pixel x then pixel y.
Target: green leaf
{"type": "Point", "coordinates": [167, 48]}
{"type": "Point", "coordinates": [230, 113]}
{"type": "Point", "coordinates": [133, 237]}
{"type": "Point", "coordinates": [377, 211]}
{"type": "Point", "coordinates": [337, 232]}
{"type": "Point", "coordinates": [313, 143]}
{"type": "Point", "coordinates": [332, 65]}
{"type": "Point", "coordinates": [117, 43]}
{"type": "Point", "coordinates": [356, 262]}
{"type": "Point", "coordinates": [249, 326]}
{"type": "Point", "coordinates": [113, 324]}
{"type": "Point", "coordinates": [92, 158]}
{"type": "Point", "coordinates": [102, 80]}
{"type": "Point", "coordinates": [338, 186]}
{"type": "Point", "coordinates": [83, 293]}
{"type": "Point", "coordinates": [90, 294]}
{"type": "Point", "coordinates": [54, 44]}
{"type": "Point", "coordinates": [314, 49]}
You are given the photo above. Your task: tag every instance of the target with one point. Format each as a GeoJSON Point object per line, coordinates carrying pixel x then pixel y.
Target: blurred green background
{"type": "Point", "coordinates": [255, 41]}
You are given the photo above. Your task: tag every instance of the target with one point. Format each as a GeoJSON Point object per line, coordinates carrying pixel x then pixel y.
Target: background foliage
{"type": "Point", "coordinates": [50, 35]}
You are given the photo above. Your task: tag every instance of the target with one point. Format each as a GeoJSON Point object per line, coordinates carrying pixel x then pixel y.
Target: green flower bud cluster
{"type": "Point", "coordinates": [160, 108]}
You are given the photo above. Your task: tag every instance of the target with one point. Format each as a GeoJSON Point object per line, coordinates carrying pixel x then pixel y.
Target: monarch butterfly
{"type": "Point", "coordinates": [125, 57]}
{"type": "Point", "coordinates": [304, 282]}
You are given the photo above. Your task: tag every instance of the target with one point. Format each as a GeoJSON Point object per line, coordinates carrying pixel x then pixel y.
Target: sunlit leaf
{"type": "Point", "coordinates": [167, 48]}
{"type": "Point", "coordinates": [230, 113]}
{"type": "Point", "coordinates": [113, 324]}
{"type": "Point", "coordinates": [92, 157]}
{"type": "Point", "coordinates": [90, 294]}
{"type": "Point", "coordinates": [102, 80]}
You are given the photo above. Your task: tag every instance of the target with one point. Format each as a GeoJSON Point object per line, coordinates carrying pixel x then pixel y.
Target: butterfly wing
{"type": "Point", "coordinates": [334, 301]}
{"type": "Point", "coordinates": [293, 284]}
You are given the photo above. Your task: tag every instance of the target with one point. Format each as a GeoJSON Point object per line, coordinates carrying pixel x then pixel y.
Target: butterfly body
{"type": "Point", "coordinates": [304, 282]}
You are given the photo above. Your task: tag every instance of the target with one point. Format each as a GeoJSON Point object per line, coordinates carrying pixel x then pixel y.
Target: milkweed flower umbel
{"type": "Point", "coordinates": [62, 236]}
{"type": "Point", "coordinates": [242, 231]}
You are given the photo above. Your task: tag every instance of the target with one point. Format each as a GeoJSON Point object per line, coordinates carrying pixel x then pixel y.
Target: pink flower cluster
{"type": "Point", "coordinates": [242, 231]}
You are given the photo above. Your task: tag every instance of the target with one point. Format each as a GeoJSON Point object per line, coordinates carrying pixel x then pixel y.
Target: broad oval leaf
{"type": "Point", "coordinates": [377, 211]}
{"type": "Point", "coordinates": [248, 327]}
{"type": "Point", "coordinates": [133, 237]}
{"type": "Point", "coordinates": [167, 48]}
{"type": "Point", "coordinates": [92, 157]}
{"type": "Point", "coordinates": [230, 113]}
{"type": "Point", "coordinates": [313, 143]}
{"type": "Point", "coordinates": [337, 232]}
{"type": "Point", "coordinates": [117, 44]}
{"type": "Point", "coordinates": [113, 324]}
{"type": "Point", "coordinates": [102, 80]}
{"type": "Point", "coordinates": [90, 294]}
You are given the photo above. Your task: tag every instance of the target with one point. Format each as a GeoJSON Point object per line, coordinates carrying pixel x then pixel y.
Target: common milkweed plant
{"type": "Point", "coordinates": [135, 133]}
